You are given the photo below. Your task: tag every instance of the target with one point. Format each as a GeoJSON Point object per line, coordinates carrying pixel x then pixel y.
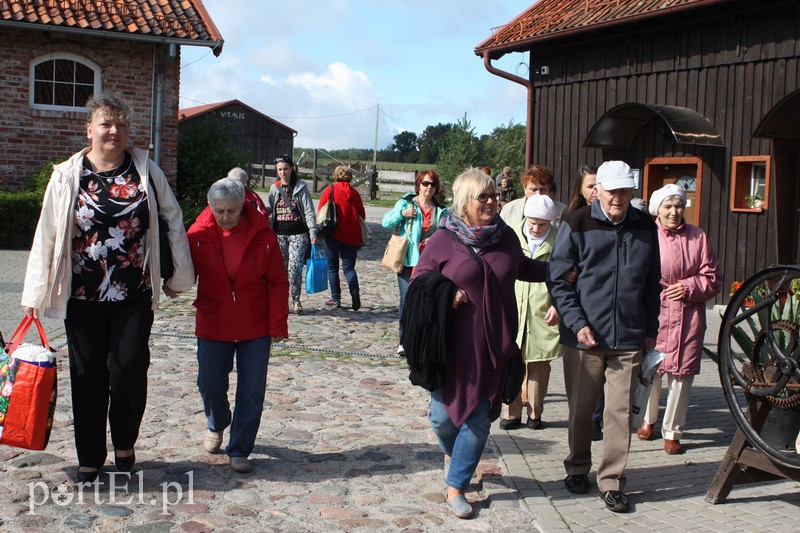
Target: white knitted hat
{"type": "Point", "coordinates": [540, 206]}
{"type": "Point", "coordinates": [665, 192]}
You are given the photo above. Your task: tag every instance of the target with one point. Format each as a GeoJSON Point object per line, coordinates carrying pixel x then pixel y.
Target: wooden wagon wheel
{"type": "Point", "coordinates": [759, 353]}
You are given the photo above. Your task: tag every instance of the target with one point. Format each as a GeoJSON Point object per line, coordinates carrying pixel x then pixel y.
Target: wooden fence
{"type": "Point", "coordinates": [368, 182]}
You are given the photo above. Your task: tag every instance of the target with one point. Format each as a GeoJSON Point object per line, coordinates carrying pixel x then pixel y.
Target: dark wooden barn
{"type": "Point", "coordinates": [705, 93]}
{"type": "Point", "coordinates": [253, 132]}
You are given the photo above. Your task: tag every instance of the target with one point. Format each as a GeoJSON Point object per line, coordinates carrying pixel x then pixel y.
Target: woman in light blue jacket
{"type": "Point", "coordinates": [416, 214]}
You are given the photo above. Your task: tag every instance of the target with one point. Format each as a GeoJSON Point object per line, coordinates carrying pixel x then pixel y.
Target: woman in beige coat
{"type": "Point", "coordinates": [95, 263]}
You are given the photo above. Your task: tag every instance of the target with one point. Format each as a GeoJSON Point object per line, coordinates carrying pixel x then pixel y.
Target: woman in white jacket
{"type": "Point", "coordinates": [95, 263]}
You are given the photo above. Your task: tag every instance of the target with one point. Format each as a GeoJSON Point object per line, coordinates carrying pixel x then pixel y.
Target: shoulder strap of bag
{"type": "Point", "coordinates": [287, 200]}
{"type": "Point", "coordinates": [408, 227]}
{"type": "Point", "coordinates": [153, 188]}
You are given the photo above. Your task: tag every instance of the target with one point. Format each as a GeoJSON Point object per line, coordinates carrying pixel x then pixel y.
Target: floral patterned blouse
{"type": "Point", "coordinates": [111, 220]}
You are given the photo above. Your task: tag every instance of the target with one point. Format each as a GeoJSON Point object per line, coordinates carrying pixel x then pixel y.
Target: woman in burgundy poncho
{"type": "Point", "coordinates": [481, 255]}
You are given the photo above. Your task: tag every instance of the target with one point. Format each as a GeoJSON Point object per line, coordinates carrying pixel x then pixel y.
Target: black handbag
{"type": "Point", "coordinates": [167, 268]}
{"type": "Point", "coordinates": [514, 379]}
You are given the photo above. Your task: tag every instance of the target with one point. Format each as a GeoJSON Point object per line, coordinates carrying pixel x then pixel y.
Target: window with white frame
{"type": "Point", "coordinates": [63, 81]}
{"type": "Point", "coordinates": [758, 179]}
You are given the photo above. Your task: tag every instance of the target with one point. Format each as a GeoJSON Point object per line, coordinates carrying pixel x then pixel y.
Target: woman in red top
{"type": "Point", "coordinates": [346, 239]}
{"type": "Point", "coordinates": [242, 291]}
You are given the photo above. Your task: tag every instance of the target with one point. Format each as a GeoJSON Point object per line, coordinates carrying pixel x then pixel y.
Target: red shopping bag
{"type": "Point", "coordinates": [27, 393]}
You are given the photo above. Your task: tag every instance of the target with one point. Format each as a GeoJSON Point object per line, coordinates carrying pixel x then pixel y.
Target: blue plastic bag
{"type": "Point", "coordinates": [316, 272]}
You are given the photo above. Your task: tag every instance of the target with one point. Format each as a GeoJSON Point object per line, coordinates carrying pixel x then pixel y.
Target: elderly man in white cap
{"type": "Point", "coordinates": [690, 276]}
{"type": "Point", "coordinates": [537, 335]}
{"type": "Point", "coordinates": [609, 315]}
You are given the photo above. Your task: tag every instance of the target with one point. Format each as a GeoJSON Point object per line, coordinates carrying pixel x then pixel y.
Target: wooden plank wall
{"type": "Point", "coordinates": [262, 139]}
{"type": "Point", "coordinates": [732, 68]}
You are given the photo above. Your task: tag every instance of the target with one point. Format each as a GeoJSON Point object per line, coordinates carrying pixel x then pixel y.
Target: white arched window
{"type": "Point", "coordinates": [63, 81]}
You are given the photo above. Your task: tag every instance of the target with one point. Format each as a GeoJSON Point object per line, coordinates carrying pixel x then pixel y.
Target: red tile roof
{"type": "Point", "coordinates": [191, 112]}
{"type": "Point", "coordinates": [181, 21]}
{"type": "Point", "coordinates": [549, 19]}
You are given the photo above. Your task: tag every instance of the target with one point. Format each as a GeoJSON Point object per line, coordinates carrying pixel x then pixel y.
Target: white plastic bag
{"type": "Point", "coordinates": [641, 393]}
{"type": "Point", "coordinates": [33, 353]}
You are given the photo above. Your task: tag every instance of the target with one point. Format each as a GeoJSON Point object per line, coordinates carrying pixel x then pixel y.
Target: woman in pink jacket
{"type": "Point", "coordinates": [690, 277]}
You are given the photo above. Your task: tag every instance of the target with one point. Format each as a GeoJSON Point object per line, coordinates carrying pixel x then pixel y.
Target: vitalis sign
{"type": "Point", "coordinates": [231, 114]}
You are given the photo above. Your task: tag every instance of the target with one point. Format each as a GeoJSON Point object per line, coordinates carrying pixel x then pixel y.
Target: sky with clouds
{"type": "Point", "coordinates": [322, 67]}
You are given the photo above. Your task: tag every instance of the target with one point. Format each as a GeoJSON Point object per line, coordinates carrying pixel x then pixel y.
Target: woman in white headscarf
{"type": "Point", "coordinates": [537, 336]}
{"type": "Point", "coordinates": [690, 276]}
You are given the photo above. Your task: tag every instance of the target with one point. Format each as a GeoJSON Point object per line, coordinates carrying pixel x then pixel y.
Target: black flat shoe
{"type": "Point", "coordinates": [535, 424]}
{"type": "Point", "coordinates": [577, 483]}
{"type": "Point", "coordinates": [125, 464]}
{"type": "Point", "coordinates": [508, 424]}
{"type": "Point", "coordinates": [88, 477]}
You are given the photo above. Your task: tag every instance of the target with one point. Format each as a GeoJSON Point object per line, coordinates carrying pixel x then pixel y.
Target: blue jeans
{"type": "Point", "coordinates": [215, 359]}
{"type": "Point", "coordinates": [334, 248]}
{"type": "Point", "coordinates": [402, 283]}
{"type": "Point", "coordinates": [463, 444]}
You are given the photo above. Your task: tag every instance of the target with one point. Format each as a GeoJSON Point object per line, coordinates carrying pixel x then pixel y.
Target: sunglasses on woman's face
{"type": "Point", "coordinates": [428, 183]}
{"type": "Point", "coordinates": [483, 197]}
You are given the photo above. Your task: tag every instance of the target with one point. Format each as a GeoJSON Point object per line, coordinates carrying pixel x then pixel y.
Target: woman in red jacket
{"type": "Point", "coordinates": [346, 238]}
{"type": "Point", "coordinates": [241, 307]}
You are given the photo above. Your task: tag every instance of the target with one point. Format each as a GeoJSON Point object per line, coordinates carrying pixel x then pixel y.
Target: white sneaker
{"type": "Point", "coordinates": [241, 465]}
{"type": "Point", "coordinates": [400, 350]}
{"type": "Point", "coordinates": [213, 441]}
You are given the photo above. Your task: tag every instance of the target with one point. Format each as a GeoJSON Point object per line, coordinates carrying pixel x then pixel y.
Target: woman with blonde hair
{"type": "Point", "coordinates": [346, 239]}
{"type": "Point", "coordinates": [481, 256]}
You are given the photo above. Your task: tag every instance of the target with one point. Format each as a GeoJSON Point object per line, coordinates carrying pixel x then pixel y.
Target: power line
{"type": "Point", "coordinates": [384, 113]}
{"type": "Point", "coordinates": [328, 116]}
{"type": "Point", "coordinates": [198, 59]}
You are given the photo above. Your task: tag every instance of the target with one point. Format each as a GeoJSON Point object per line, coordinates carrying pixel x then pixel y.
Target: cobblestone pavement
{"type": "Point", "coordinates": [344, 445]}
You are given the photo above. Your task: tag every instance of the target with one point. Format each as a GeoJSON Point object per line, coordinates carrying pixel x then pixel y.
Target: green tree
{"type": "Point", "coordinates": [460, 150]}
{"type": "Point", "coordinates": [430, 142]}
{"type": "Point", "coordinates": [405, 146]}
{"type": "Point", "coordinates": [505, 147]}
{"type": "Point", "coordinates": [205, 154]}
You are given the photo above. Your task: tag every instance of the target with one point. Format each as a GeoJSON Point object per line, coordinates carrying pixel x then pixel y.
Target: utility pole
{"type": "Point", "coordinates": [373, 176]}
{"type": "Point", "coordinates": [375, 149]}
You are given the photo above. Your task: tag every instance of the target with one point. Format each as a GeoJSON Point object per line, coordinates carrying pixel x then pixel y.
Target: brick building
{"type": "Point", "coordinates": [54, 54]}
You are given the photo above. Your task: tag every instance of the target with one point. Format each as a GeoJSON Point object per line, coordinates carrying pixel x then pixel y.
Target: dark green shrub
{"type": "Point", "coordinates": [19, 212]}
{"type": "Point", "coordinates": [38, 182]}
{"type": "Point", "coordinates": [205, 154]}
